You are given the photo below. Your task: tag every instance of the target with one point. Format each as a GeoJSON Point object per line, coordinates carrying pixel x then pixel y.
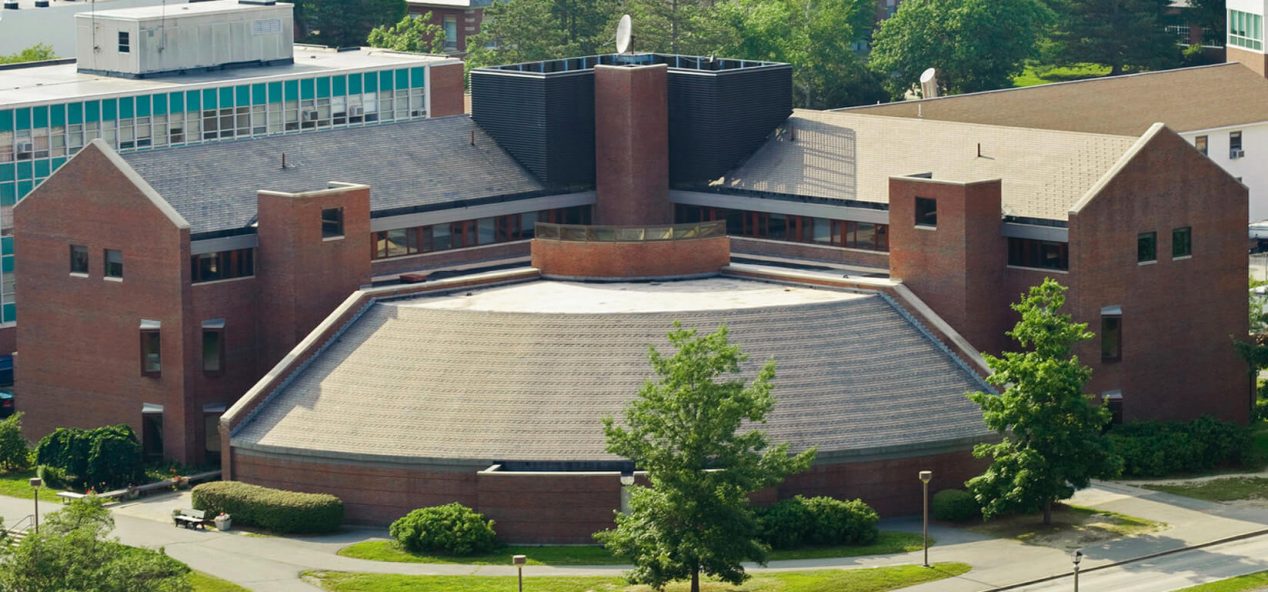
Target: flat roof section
{"type": "Point", "coordinates": [159, 11]}
{"type": "Point", "coordinates": [63, 82]}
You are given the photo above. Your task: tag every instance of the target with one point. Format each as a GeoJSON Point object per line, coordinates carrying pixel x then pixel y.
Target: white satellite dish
{"type": "Point", "coordinates": [929, 83]}
{"type": "Point", "coordinates": [623, 31]}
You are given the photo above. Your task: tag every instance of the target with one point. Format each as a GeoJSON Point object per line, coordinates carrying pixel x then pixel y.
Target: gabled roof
{"type": "Point", "coordinates": [1185, 99]}
{"type": "Point", "coordinates": [851, 156]}
{"type": "Point", "coordinates": [409, 164]}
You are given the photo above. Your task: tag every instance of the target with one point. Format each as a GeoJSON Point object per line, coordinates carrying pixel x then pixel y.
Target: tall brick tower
{"type": "Point", "coordinates": [631, 141]}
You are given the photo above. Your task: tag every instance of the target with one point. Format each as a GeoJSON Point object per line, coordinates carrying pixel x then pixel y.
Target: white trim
{"type": "Point", "coordinates": [1113, 310]}
{"type": "Point", "coordinates": [76, 274]}
{"type": "Point", "coordinates": [1153, 131]}
{"type": "Point", "coordinates": [1182, 258]}
{"type": "Point", "coordinates": [1043, 269]}
{"type": "Point", "coordinates": [113, 279]}
{"type": "Point", "coordinates": [1151, 262]}
{"type": "Point", "coordinates": [224, 281]}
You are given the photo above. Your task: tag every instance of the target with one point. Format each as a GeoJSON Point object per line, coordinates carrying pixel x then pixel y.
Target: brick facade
{"type": "Point", "coordinates": [627, 260]}
{"type": "Point", "coordinates": [631, 145]}
{"type": "Point", "coordinates": [468, 21]}
{"type": "Point", "coordinates": [447, 90]}
{"type": "Point", "coordinates": [1251, 59]}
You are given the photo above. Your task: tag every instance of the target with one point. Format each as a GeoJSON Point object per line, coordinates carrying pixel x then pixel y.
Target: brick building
{"type": "Point", "coordinates": [459, 19]}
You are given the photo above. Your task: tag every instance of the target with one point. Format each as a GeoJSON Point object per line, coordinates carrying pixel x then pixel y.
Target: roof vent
{"type": "Point", "coordinates": [41, 3]}
{"type": "Point", "coordinates": [11, 4]}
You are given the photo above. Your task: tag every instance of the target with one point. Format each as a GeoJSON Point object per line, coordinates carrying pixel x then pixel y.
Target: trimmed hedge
{"type": "Point", "coordinates": [453, 529]}
{"type": "Point", "coordinates": [1156, 449]}
{"type": "Point", "coordinates": [276, 510]}
{"type": "Point", "coordinates": [955, 505]}
{"type": "Point", "coordinates": [802, 521]}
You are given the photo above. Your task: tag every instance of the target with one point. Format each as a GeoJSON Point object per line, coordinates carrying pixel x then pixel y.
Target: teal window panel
{"type": "Point", "coordinates": [41, 168]}
{"type": "Point", "coordinates": [6, 120]}
{"type": "Point", "coordinates": [24, 187]}
{"type": "Point", "coordinates": [385, 80]}
{"type": "Point", "coordinates": [418, 77]}
{"type": "Point", "coordinates": [243, 95]}
{"type": "Point", "coordinates": [22, 118]}
{"type": "Point", "coordinates": [143, 106]}
{"type": "Point", "coordinates": [209, 98]}
{"type": "Point", "coordinates": [338, 86]}
{"type": "Point", "coordinates": [354, 84]}
{"type": "Point", "coordinates": [323, 88]}
{"type": "Point", "coordinates": [92, 111]}
{"type": "Point", "coordinates": [275, 92]}
{"type": "Point", "coordinates": [127, 108]}
{"type": "Point", "coordinates": [292, 90]}
{"type": "Point", "coordinates": [160, 104]}
{"type": "Point", "coordinates": [109, 109]}
{"type": "Point", "coordinates": [307, 88]}
{"type": "Point", "coordinates": [6, 264]}
{"type": "Point", "coordinates": [57, 115]}
{"type": "Point", "coordinates": [371, 81]}
{"type": "Point", "coordinates": [56, 163]}
{"type": "Point", "coordinates": [193, 101]}
{"type": "Point", "coordinates": [402, 79]}
{"type": "Point", "coordinates": [39, 115]}
{"type": "Point", "coordinates": [10, 313]}
{"type": "Point", "coordinates": [8, 194]}
{"type": "Point", "coordinates": [258, 96]}
{"type": "Point", "coordinates": [6, 172]}
{"type": "Point", "coordinates": [6, 244]}
{"type": "Point", "coordinates": [74, 113]}
{"type": "Point", "coordinates": [176, 102]}
{"type": "Point", "coordinates": [226, 96]}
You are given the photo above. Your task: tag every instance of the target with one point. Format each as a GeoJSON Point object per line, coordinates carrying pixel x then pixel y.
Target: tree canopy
{"type": "Point", "coordinates": [1051, 433]}
{"type": "Point", "coordinates": [530, 30]}
{"type": "Point", "coordinates": [1121, 34]}
{"type": "Point", "coordinates": [344, 23]}
{"type": "Point", "coordinates": [976, 45]}
{"type": "Point", "coordinates": [415, 34]}
{"type": "Point", "coordinates": [683, 429]}
{"type": "Point", "coordinates": [36, 53]}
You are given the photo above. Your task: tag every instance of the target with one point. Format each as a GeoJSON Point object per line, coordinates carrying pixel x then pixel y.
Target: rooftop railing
{"type": "Point", "coordinates": [674, 61]}
{"type": "Point", "coordinates": [616, 234]}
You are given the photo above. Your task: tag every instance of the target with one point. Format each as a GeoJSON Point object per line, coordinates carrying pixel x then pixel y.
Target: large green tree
{"type": "Point", "coordinates": [416, 34]}
{"type": "Point", "coordinates": [1051, 441]}
{"type": "Point", "coordinates": [530, 30]}
{"type": "Point", "coordinates": [73, 552]}
{"type": "Point", "coordinates": [344, 23]}
{"type": "Point", "coordinates": [684, 430]}
{"type": "Point", "coordinates": [976, 45]}
{"type": "Point", "coordinates": [36, 53]}
{"type": "Point", "coordinates": [1121, 34]}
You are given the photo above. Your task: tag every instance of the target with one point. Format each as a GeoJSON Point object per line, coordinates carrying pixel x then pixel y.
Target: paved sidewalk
{"type": "Point", "coordinates": [274, 563]}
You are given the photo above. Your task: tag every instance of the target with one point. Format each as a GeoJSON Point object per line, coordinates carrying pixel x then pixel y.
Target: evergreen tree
{"type": "Point", "coordinates": [515, 31]}
{"type": "Point", "coordinates": [1121, 34]}
{"type": "Point", "coordinates": [344, 23]}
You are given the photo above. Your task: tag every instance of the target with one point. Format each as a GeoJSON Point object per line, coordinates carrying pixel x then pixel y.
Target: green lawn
{"type": "Point", "coordinates": [1225, 489]}
{"type": "Point", "coordinates": [202, 582]}
{"type": "Point", "coordinates": [17, 484]}
{"type": "Point", "coordinates": [889, 542]}
{"type": "Point", "coordinates": [855, 580]}
{"type": "Point", "coordinates": [1036, 74]}
{"type": "Point", "coordinates": [1246, 583]}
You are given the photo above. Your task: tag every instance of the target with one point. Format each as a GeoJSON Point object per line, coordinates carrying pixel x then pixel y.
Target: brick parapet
{"type": "Point", "coordinates": [630, 260]}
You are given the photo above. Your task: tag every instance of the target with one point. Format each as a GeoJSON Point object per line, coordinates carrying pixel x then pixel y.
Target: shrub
{"type": "Point", "coordinates": [801, 521]}
{"type": "Point", "coordinates": [1261, 409]}
{"type": "Point", "coordinates": [53, 476]}
{"type": "Point", "coordinates": [65, 449]}
{"type": "Point", "coordinates": [452, 528]}
{"type": "Point", "coordinates": [14, 452]}
{"type": "Point", "coordinates": [1153, 449]}
{"type": "Point", "coordinates": [114, 458]}
{"type": "Point", "coordinates": [955, 505]}
{"type": "Point", "coordinates": [786, 524]}
{"type": "Point", "coordinates": [275, 510]}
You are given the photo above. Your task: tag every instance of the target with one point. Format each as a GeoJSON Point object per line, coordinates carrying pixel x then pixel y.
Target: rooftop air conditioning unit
{"type": "Point", "coordinates": [23, 149]}
{"type": "Point", "coordinates": [356, 111]}
{"type": "Point", "coordinates": [310, 116]}
{"type": "Point", "coordinates": [1236, 154]}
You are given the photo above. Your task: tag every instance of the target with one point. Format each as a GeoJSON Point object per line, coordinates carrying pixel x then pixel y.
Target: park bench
{"type": "Point", "coordinates": [107, 497]}
{"type": "Point", "coordinates": [190, 518]}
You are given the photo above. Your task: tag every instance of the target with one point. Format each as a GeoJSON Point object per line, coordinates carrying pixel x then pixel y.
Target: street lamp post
{"type": "Point", "coordinates": [519, 561]}
{"type": "Point", "coordinates": [925, 478]}
{"type": "Point", "coordinates": [36, 482]}
{"type": "Point", "coordinates": [627, 479]}
{"type": "Point", "coordinates": [1078, 557]}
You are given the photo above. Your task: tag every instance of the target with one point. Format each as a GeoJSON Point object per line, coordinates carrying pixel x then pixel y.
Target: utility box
{"type": "Point", "coordinates": [161, 40]}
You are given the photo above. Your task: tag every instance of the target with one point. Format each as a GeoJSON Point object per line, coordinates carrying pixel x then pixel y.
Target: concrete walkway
{"type": "Point", "coordinates": [274, 563]}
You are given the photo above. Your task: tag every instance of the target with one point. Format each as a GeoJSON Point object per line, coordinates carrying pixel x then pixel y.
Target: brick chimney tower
{"type": "Point", "coordinates": [631, 143]}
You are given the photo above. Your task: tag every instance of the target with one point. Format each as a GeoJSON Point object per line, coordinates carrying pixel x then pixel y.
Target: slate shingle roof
{"type": "Point", "coordinates": [410, 383]}
{"type": "Point", "coordinates": [850, 156]}
{"type": "Point", "coordinates": [405, 164]}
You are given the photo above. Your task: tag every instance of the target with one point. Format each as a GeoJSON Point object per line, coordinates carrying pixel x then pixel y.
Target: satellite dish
{"type": "Point", "coordinates": [623, 30]}
{"type": "Point", "coordinates": [929, 83]}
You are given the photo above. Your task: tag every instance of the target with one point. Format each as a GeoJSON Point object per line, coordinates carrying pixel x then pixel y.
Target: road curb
{"type": "Point", "coordinates": [1231, 539]}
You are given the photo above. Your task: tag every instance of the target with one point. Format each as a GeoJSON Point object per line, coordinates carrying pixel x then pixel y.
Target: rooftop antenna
{"type": "Point", "coordinates": [929, 83]}
{"type": "Point", "coordinates": [624, 32]}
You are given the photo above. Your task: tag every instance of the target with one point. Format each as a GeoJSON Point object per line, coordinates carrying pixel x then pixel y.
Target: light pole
{"type": "Point", "coordinates": [925, 478]}
{"type": "Point", "coordinates": [36, 482]}
{"type": "Point", "coordinates": [627, 479]}
{"type": "Point", "coordinates": [1078, 557]}
{"type": "Point", "coordinates": [519, 561]}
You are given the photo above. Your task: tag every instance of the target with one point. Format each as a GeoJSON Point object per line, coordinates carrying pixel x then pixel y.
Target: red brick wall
{"type": "Point", "coordinates": [631, 145]}
{"type": "Point", "coordinates": [235, 301]}
{"type": "Point", "coordinates": [303, 275]}
{"type": "Point", "coordinates": [957, 267]}
{"type": "Point", "coordinates": [447, 259]}
{"type": "Point", "coordinates": [890, 486]}
{"type": "Point", "coordinates": [8, 339]}
{"type": "Point", "coordinates": [546, 508]}
{"type": "Point", "coordinates": [769, 248]}
{"type": "Point", "coordinates": [1179, 316]}
{"type": "Point", "coordinates": [631, 260]}
{"type": "Point", "coordinates": [79, 337]}
{"type": "Point", "coordinates": [469, 20]}
{"type": "Point", "coordinates": [446, 90]}
{"type": "Point", "coordinates": [1253, 60]}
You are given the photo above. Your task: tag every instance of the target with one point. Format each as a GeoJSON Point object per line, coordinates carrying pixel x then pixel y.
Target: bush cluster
{"type": "Point", "coordinates": [107, 457]}
{"type": "Point", "coordinates": [453, 529]}
{"type": "Point", "coordinates": [276, 510]}
{"type": "Point", "coordinates": [955, 505]}
{"type": "Point", "coordinates": [14, 452]}
{"type": "Point", "coordinates": [802, 521]}
{"type": "Point", "coordinates": [1155, 449]}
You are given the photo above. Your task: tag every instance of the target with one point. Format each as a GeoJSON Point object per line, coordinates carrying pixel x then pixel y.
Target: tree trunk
{"type": "Point", "coordinates": [1047, 513]}
{"type": "Point", "coordinates": [695, 580]}
{"type": "Point", "coordinates": [1116, 69]}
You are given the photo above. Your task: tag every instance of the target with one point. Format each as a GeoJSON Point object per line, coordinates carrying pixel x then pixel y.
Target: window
{"type": "Point", "coordinates": [1111, 334]}
{"type": "Point", "coordinates": [332, 223]}
{"type": "Point", "coordinates": [113, 264]}
{"type": "Point", "coordinates": [124, 43]}
{"type": "Point", "coordinates": [79, 259]}
{"type": "Point", "coordinates": [222, 265]}
{"type": "Point", "coordinates": [1024, 252]}
{"type": "Point", "coordinates": [451, 33]}
{"type": "Point", "coordinates": [1114, 401]}
{"type": "Point", "coordinates": [213, 347]}
{"type": "Point", "coordinates": [926, 212]}
{"type": "Point", "coordinates": [1245, 30]}
{"type": "Point", "coordinates": [1200, 143]}
{"type": "Point", "coordinates": [1181, 242]}
{"type": "Point", "coordinates": [1146, 247]}
{"type": "Point", "coordinates": [151, 349]}
{"type": "Point", "coordinates": [1235, 145]}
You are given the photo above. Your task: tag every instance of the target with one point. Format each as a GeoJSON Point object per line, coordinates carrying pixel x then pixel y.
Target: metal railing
{"type": "Point", "coordinates": [616, 234]}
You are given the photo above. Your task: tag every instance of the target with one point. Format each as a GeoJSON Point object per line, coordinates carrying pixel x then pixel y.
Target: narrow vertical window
{"type": "Point", "coordinates": [113, 263]}
{"type": "Point", "coordinates": [1146, 247]}
{"type": "Point", "coordinates": [79, 259]}
{"type": "Point", "coordinates": [151, 349]}
{"type": "Point", "coordinates": [1181, 242]}
{"type": "Point", "coordinates": [1235, 145]}
{"type": "Point", "coordinates": [125, 45]}
{"type": "Point", "coordinates": [213, 347]}
{"type": "Point", "coordinates": [332, 223]}
{"type": "Point", "coordinates": [1200, 143]}
{"type": "Point", "coordinates": [1111, 334]}
{"type": "Point", "coordinates": [926, 212]}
